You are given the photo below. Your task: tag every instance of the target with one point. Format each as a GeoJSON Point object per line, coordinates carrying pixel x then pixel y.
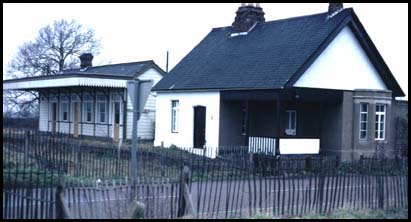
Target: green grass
{"type": "Point", "coordinates": [394, 213]}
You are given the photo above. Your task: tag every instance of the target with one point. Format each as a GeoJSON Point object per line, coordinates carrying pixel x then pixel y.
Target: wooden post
{"type": "Point", "coordinates": [185, 201]}
{"type": "Point", "coordinates": [321, 186]}
{"type": "Point", "coordinates": [69, 113]}
{"type": "Point", "coordinates": [95, 112]}
{"type": "Point", "coordinates": [81, 112]}
{"type": "Point", "coordinates": [58, 112]}
{"type": "Point", "coordinates": [108, 114]}
{"type": "Point", "coordinates": [62, 211]}
{"type": "Point", "coordinates": [307, 163]}
{"type": "Point", "coordinates": [251, 159]}
{"type": "Point", "coordinates": [78, 164]}
{"type": "Point", "coordinates": [380, 187]}
{"type": "Point", "coordinates": [26, 147]}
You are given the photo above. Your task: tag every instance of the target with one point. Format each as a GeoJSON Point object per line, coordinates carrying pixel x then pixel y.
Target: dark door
{"type": "Point", "coordinates": [199, 126]}
{"type": "Point", "coordinates": [53, 117]}
{"type": "Point", "coordinates": [116, 120]}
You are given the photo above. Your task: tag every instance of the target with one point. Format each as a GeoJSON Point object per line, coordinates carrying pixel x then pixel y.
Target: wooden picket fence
{"type": "Point", "coordinates": [231, 194]}
{"type": "Point", "coordinates": [234, 185]}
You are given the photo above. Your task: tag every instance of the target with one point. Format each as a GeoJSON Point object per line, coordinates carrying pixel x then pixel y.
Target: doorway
{"type": "Point", "coordinates": [199, 126]}
{"type": "Point", "coordinates": [53, 117]}
{"type": "Point", "coordinates": [76, 119]}
{"type": "Point", "coordinates": [116, 121]}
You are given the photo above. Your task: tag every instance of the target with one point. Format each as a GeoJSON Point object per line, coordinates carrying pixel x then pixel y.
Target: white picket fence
{"type": "Point", "coordinates": [264, 145]}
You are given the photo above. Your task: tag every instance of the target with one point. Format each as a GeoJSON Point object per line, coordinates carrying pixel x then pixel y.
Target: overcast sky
{"type": "Point", "coordinates": [136, 32]}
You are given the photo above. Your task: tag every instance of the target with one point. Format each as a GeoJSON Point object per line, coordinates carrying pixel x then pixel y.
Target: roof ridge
{"type": "Point", "coordinates": [284, 19]}
{"type": "Point", "coordinates": [124, 63]}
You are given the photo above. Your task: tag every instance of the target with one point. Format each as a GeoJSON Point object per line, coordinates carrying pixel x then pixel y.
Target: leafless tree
{"type": "Point", "coordinates": [56, 48]}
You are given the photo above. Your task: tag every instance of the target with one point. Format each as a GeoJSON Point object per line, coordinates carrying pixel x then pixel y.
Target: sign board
{"type": "Point", "coordinates": [140, 89]}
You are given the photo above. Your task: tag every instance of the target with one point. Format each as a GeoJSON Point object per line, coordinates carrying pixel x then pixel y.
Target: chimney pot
{"type": "Point", "coordinates": [86, 60]}
{"type": "Point", "coordinates": [247, 16]}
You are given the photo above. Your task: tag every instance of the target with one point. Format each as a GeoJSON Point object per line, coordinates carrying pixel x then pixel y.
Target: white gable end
{"type": "Point", "coordinates": [342, 65]}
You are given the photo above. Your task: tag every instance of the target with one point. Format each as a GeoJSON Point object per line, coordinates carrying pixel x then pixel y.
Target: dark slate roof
{"type": "Point", "coordinates": [116, 71]}
{"type": "Point", "coordinates": [266, 58]}
{"type": "Point", "coordinates": [122, 69]}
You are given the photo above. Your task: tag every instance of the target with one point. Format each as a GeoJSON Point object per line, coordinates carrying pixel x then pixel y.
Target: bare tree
{"type": "Point", "coordinates": [56, 48]}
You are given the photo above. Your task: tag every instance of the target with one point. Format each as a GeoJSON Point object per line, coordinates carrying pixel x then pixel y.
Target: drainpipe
{"type": "Point", "coordinates": [277, 141]}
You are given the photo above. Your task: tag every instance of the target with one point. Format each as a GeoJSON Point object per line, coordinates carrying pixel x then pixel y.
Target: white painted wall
{"type": "Point", "coordinates": [342, 65]}
{"type": "Point", "coordinates": [187, 101]}
{"type": "Point", "coordinates": [146, 124]}
{"type": "Point", "coordinates": [43, 113]}
{"type": "Point", "coordinates": [88, 128]}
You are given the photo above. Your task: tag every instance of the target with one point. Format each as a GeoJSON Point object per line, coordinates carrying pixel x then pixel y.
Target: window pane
{"type": "Point", "coordinates": [102, 107]}
{"type": "Point", "coordinates": [363, 134]}
{"type": "Point", "coordinates": [102, 117]}
{"type": "Point", "coordinates": [292, 120]}
{"type": "Point", "coordinates": [175, 104]}
{"type": "Point", "coordinates": [88, 97]}
{"type": "Point", "coordinates": [88, 107]}
{"type": "Point", "coordinates": [364, 107]}
{"type": "Point", "coordinates": [363, 117]}
{"type": "Point", "coordinates": [89, 117]}
{"type": "Point", "coordinates": [363, 126]}
{"type": "Point", "coordinates": [174, 116]}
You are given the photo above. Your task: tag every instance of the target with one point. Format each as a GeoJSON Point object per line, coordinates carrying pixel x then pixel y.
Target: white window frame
{"type": "Point", "coordinates": [52, 99]}
{"type": "Point", "coordinates": [117, 98]}
{"type": "Point", "coordinates": [62, 111]}
{"type": "Point", "coordinates": [380, 115]}
{"type": "Point", "coordinates": [99, 102]}
{"type": "Point", "coordinates": [174, 115]}
{"type": "Point", "coordinates": [85, 111]}
{"type": "Point", "coordinates": [291, 130]}
{"type": "Point", "coordinates": [361, 121]}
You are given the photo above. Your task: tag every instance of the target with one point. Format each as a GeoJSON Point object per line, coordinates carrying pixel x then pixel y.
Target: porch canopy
{"type": "Point", "coordinates": [69, 80]}
{"type": "Point", "coordinates": [63, 100]}
{"type": "Point", "coordinates": [263, 118]}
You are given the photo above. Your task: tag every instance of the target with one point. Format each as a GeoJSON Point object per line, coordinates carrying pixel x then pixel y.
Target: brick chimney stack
{"type": "Point", "coordinates": [334, 8]}
{"type": "Point", "coordinates": [86, 60]}
{"type": "Point", "coordinates": [247, 16]}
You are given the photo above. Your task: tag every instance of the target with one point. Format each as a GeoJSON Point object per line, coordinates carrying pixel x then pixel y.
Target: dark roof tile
{"type": "Point", "coordinates": [267, 57]}
{"type": "Point", "coordinates": [121, 69]}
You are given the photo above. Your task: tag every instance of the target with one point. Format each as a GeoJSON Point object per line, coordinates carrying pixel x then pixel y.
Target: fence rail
{"type": "Point", "coordinates": [236, 184]}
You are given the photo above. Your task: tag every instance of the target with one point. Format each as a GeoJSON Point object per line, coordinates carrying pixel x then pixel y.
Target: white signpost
{"type": "Point", "coordinates": [139, 91]}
